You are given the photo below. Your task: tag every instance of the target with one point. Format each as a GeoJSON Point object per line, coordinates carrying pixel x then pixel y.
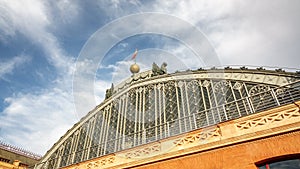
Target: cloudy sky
{"type": "Point", "coordinates": [56, 53]}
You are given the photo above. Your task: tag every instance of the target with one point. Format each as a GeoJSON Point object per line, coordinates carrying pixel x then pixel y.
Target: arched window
{"type": "Point", "coordinates": [284, 162]}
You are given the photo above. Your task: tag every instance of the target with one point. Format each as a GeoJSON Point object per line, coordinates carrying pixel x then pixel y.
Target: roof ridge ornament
{"type": "Point", "coordinates": [134, 68]}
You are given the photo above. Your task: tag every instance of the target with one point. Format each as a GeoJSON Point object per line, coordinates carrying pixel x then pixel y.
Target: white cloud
{"type": "Point", "coordinates": [195, 11]}
{"type": "Point", "coordinates": [117, 8]}
{"type": "Point", "coordinates": [183, 58]}
{"type": "Point", "coordinates": [7, 67]}
{"type": "Point", "coordinates": [245, 32]}
{"type": "Point", "coordinates": [180, 58]}
{"type": "Point", "coordinates": [100, 90]}
{"type": "Point", "coordinates": [68, 10]}
{"type": "Point", "coordinates": [120, 71]}
{"type": "Point", "coordinates": [36, 121]}
{"type": "Point", "coordinates": [22, 16]}
{"type": "Point", "coordinates": [33, 20]}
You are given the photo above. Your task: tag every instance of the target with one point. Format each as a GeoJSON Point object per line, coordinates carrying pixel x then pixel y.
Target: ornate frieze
{"type": "Point", "coordinates": [268, 119]}
{"type": "Point", "coordinates": [145, 151]}
{"type": "Point", "coordinates": [204, 135]}
{"type": "Point", "coordinates": [100, 163]}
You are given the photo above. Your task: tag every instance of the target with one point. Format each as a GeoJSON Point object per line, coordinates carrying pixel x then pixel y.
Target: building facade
{"type": "Point", "coordinates": [12, 157]}
{"type": "Point", "coordinates": [217, 118]}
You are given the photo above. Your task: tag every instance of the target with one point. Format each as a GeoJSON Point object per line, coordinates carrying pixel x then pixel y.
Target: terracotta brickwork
{"type": "Point", "coordinates": [240, 156]}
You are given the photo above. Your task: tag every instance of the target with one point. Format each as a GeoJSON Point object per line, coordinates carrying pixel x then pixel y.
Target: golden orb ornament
{"type": "Point", "coordinates": [134, 68]}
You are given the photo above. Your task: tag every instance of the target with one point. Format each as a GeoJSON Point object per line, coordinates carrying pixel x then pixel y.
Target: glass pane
{"type": "Point", "coordinates": [262, 167]}
{"type": "Point", "coordinates": [288, 164]}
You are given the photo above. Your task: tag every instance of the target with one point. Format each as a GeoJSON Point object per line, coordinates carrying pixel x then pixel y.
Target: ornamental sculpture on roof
{"type": "Point", "coordinates": [156, 70]}
{"type": "Point", "coordinates": [109, 92]}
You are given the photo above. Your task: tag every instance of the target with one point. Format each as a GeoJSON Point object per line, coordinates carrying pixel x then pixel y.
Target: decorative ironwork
{"type": "Point", "coordinates": [81, 143]}
{"type": "Point", "coordinates": [153, 110]}
{"type": "Point", "coordinates": [262, 97]}
{"type": "Point", "coordinates": [66, 155]}
{"type": "Point", "coordinates": [96, 137]}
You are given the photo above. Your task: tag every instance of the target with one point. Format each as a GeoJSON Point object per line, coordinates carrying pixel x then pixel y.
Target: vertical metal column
{"type": "Point", "coordinates": [209, 98]}
{"type": "Point", "coordinates": [216, 102]}
{"type": "Point", "coordinates": [204, 103]}
{"type": "Point", "coordinates": [178, 105]}
{"type": "Point", "coordinates": [235, 100]}
{"type": "Point", "coordinates": [118, 123]}
{"type": "Point", "coordinates": [143, 116]}
{"type": "Point", "coordinates": [124, 121]}
{"type": "Point", "coordinates": [251, 107]}
{"type": "Point", "coordinates": [275, 97]}
{"type": "Point", "coordinates": [107, 126]}
{"type": "Point", "coordinates": [184, 112]}
{"type": "Point", "coordinates": [100, 147]}
{"type": "Point", "coordinates": [136, 118]}
{"type": "Point", "coordinates": [164, 108]}
{"type": "Point", "coordinates": [155, 111]}
{"type": "Point", "coordinates": [90, 135]}
{"type": "Point", "coordinates": [244, 100]}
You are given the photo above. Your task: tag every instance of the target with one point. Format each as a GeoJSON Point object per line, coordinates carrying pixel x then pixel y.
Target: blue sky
{"type": "Point", "coordinates": [41, 42]}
